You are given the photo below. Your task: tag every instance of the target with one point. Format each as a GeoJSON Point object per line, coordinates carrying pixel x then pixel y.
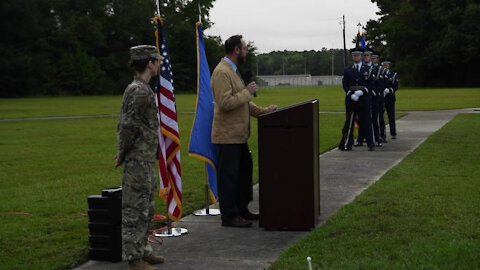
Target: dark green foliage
{"type": "Point", "coordinates": [179, 27]}
{"type": "Point", "coordinates": [80, 47]}
{"type": "Point", "coordinates": [433, 43]}
{"type": "Point", "coordinates": [25, 41]}
{"type": "Point", "coordinates": [214, 51]}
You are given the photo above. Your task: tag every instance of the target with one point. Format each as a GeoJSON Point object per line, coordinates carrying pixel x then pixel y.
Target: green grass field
{"type": "Point", "coordinates": [330, 99]}
{"type": "Point", "coordinates": [48, 168]}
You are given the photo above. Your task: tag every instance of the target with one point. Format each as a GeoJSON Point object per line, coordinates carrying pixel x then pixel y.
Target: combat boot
{"type": "Point", "coordinates": [140, 265]}
{"type": "Point", "coordinates": [154, 259]}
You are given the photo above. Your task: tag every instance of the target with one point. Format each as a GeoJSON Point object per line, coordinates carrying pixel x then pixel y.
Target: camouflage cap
{"type": "Point", "coordinates": [144, 52]}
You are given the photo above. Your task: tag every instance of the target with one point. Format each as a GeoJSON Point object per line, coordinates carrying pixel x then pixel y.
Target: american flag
{"type": "Point", "coordinates": [169, 139]}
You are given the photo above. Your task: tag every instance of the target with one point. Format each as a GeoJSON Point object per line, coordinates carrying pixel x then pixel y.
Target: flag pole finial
{"type": "Point", "coordinates": [199, 13]}
{"type": "Point", "coordinates": [158, 8]}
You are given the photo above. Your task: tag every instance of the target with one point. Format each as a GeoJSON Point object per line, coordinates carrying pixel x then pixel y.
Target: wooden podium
{"type": "Point", "coordinates": [288, 162]}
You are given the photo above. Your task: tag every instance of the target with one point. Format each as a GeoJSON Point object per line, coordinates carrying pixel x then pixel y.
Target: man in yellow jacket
{"type": "Point", "coordinates": [230, 131]}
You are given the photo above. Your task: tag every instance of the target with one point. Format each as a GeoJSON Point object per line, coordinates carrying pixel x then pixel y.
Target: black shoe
{"type": "Point", "coordinates": [371, 148]}
{"type": "Point", "coordinates": [237, 222]}
{"type": "Point", "coordinates": [341, 148]}
{"type": "Point", "coordinates": [379, 144]}
{"type": "Point", "coordinates": [250, 216]}
{"type": "Point", "coordinates": [394, 137]}
{"type": "Point", "coordinates": [348, 149]}
{"type": "Point", "coordinates": [358, 144]}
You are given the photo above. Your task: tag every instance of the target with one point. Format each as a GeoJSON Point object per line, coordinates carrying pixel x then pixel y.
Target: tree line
{"type": "Point", "coordinates": [80, 47]}
{"type": "Point", "coordinates": [307, 62]}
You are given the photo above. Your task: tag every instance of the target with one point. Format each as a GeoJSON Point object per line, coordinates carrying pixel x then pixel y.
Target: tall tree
{"type": "Point", "coordinates": [433, 43]}
{"type": "Point", "coordinates": [179, 27]}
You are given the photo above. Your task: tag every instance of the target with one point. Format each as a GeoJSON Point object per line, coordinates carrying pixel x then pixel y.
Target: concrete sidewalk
{"type": "Point", "coordinates": [208, 245]}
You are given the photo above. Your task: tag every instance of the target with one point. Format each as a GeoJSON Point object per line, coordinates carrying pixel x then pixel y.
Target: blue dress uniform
{"type": "Point", "coordinates": [374, 100]}
{"type": "Point", "coordinates": [353, 81]}
{"type": "Point", "coordinates": [391, 86]}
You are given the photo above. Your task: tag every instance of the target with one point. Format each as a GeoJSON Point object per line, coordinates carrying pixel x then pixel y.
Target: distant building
{"type": "Point", "coordinates": [298, 80]}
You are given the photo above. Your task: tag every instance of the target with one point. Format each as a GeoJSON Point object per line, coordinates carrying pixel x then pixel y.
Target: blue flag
{"type": "Point", "coordinates": [363, 41]}
{"type": "Point", "coordinates": [201, 145]}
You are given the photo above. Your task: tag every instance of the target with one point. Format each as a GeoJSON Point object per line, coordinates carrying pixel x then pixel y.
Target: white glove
{"type": "Point", "coordinates": [354, 97]}
{"type": "Point", "coordinates": [386, 91]}
{"type": "Point", "coordinates": [358, 93]}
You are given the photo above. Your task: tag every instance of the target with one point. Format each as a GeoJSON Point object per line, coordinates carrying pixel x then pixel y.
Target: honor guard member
{"type": "Point", "coordinates": [372, 86]}
{"type": "Point", "coordinates": [390, 86]}
{"type": "Point", "coordinates": [375, 58]}
{"type": "Point", "coordinates": [377, 97]}
{"type": "Point", "coordinates": [137, 134]}
{"type": "Point", "coordinates": [357, 100]}
{"type": "Point", "coordinates": [380, 98]}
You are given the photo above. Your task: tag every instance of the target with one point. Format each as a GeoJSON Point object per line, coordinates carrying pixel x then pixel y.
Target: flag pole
{"type": "Point", "coordinates": [199, 13]}
{"type": "Point", "coordinates": [169, 222]}
{"type": "Point", "coordinates": [158, 8]}
{"type": "Point", "coordinates": [170, 232]}
{"type": "Point", "coordinates": [206, 211]}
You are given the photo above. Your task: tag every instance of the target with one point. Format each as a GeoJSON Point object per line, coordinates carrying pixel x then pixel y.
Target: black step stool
{"type": "Point", "coordinates": [105, 225]}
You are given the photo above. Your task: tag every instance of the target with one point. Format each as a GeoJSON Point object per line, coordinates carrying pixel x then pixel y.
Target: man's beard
{"type": "Point", "coordinates": [241, 59]}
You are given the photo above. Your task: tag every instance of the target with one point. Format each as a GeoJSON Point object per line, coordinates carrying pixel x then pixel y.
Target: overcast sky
{"type": "Point", "coordinates": [297, 25]}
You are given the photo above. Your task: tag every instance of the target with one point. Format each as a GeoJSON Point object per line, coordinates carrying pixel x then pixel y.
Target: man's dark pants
{"type": "Point", "coordinates": [376, 100]}
{"type": "Point", "coordinates": [390, 107]}
{"type": "Point", "coordinates": [363, 109]}
{"type": "Point", "coordinates": [375, 105]}
{"type": "Point", "coordinates": [347, 135]}
{"type": "Point", "coordinates": [381, 117]}
{"type": "Point", "coordinates": [234, 176]}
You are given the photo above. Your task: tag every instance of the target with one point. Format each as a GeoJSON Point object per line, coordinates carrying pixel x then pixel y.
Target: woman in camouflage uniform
{"type": "Point", "coordinates": [137, 134]}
